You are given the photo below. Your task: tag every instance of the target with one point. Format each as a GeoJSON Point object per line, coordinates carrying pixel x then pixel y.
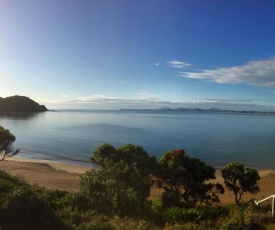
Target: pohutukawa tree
{"type": "Point", "coordinates": [184, 180]}
{"type": "Point", "coordinates": [240, 179]}
{"type": "Point", "coordinates": [6, 141]}
{"type": "Point", "coordinates": [122, 184]}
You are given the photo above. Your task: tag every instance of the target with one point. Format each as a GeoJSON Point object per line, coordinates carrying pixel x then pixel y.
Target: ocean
{"type": "Point", "coordinates": [71, 136]}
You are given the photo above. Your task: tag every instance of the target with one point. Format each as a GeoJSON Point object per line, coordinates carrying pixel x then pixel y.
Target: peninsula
{"type": "Point", "coordinates": [20, 104]}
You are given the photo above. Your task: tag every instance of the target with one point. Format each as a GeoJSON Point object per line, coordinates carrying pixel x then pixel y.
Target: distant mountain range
{"type": "Point", "coordinates": [199, 110]}
{"type": "Point", "coordinates": [20, 104]}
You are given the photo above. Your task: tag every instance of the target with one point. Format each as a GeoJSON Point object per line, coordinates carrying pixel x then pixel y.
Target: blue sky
{"type": "Point", "coordinates": [112, 54]}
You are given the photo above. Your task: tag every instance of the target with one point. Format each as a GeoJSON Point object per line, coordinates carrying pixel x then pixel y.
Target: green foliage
{"type": "Point", "coordinates": [8, 183]}
{"type": "Point", "coordinates": [115, 197]}
{"type": "Point", "coordinates": [183, 179]}
{"type": "Point", "coordinates": [6, 140]}
{"type": "Point", "coordinates": [127, 223]}
{"type": "Point", "coordinates": [5, 185]}
{"type": "Point", "coordinates": [214, 218]}
{"type": "Point", "coordinates": [77, 219]}
{"type": "Point", "coordinates": [170, 198]}
{"type": "Point", "coordinates": [177, 214]}
{"type": "Point", "coordinates": [24, 204]}
{"type": "Point", "coordinates": [100, 187]}
{"type": "Point", "coordinates": [156, 213]}
{"type": "Point", "coordinates": [37, 208]}
{"type": "Point", "coordinates": [213, 213]}
{"type": "Point", "coordinates": [123, 182]}
{"type": "Point", "coordinates": [203, 213]}
{"type": "Point", "coordinates": [241, 218]}
{"type": "Point", "coordinates": [240, 179]}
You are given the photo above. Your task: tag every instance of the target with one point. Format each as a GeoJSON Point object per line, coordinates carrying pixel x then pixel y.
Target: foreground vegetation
{"type": "Point", "coordinates": [116, 195]}
{"type": "Point", "coordinates": [38, 208]}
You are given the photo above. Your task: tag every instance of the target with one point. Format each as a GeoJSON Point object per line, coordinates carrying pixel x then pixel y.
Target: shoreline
{"type": "Point", "coordinates": [48, 174]}
{"type": "Point", "coordinates": [70, 168]}
{"type": "Point", "coordinates": [61, 176]}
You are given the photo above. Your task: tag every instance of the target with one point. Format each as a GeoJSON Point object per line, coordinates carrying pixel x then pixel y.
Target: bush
{"type": "Point", "coordinates": [5, 185]}
{"type": "Point", "coordinates": [184, 180]}
{"type": "Point", "coordinates": [177, 214]}
{"type": "Point", "coordinates": [170, 198]}
{"type": "Point", "coordinates": [24, 204]}
{"type": "Point", "coordinates": [213, 213]}
{"type": "Point", "coordinates": [240, 179]}
{"type": "Point", "coordinates": [127, 223]}
{"type": "Point", "coordinates": [156, 214]}
{"type": "Point", "coordinates": [122, 185]}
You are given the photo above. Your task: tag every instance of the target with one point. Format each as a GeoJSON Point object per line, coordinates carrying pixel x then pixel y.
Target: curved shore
{"type": "Point", "coordinates": [54, 175]}
{"type": "Point", "coordinates": [48, 174]}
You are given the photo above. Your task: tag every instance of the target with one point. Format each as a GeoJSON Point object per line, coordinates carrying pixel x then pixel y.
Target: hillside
{"type": "Point", "coordinates": [20, 104]}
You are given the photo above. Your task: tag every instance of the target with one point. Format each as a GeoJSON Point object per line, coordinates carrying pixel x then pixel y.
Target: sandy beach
{"type": "Point", "coordinates": [53, 175]}
{"type": "Point", "coordinates": [267, 186]}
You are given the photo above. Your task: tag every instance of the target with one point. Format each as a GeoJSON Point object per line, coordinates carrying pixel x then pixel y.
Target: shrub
{"type": "Point", "coordinates": [213, 213]}
{"type": "Point", "coordinates": [240, 179]}
{"type": "Point", "coordinates": [6, 141]}
{"type": "Point", "coordinates": [5, 185]}
{"type": "Point", "coordinates": [23, 204]}
{"type": "Point", "coordinates": [177, 214]}
{"type": "Point", "coordinates": [184, 180]}
{"type": "Point", "coordinates": [123, 183]}
{"type": "Point", "coordinates": [156, 214]}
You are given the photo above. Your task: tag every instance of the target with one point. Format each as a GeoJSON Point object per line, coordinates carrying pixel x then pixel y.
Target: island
{"type": "Point", "coordinates": [20, 104]}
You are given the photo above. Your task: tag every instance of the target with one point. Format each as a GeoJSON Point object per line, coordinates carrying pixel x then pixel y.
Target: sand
{"type": "Point", "coordinates": [266, 184]}
{"type": "Point", "coordinates": [53, 175]}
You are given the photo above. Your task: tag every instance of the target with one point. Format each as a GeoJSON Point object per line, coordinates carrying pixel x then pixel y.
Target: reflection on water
{"type": "Point", "coordinates": [18, 116]}
{"type": "Point", "coordinates": [71, 136]}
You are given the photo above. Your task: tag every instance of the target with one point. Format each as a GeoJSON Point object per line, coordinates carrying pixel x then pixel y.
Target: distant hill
{"type": "Point", "coordinates": [20, 104]}
{"type": "Point", "coordinates": [214, 109]}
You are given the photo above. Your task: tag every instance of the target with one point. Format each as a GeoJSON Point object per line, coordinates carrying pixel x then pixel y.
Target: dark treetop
{"type": "Point", "coordinates": [20, 104]}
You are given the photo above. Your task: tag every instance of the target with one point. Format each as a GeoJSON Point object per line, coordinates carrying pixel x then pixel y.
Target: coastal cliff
{"type": "Point", "coordinates": [20, 104]}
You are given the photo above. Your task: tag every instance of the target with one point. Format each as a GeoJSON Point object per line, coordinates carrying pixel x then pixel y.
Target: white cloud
{"type": "Point", "coordinates": [143, 98]}
{"type": "Point", "coordinates": [149, 101]}
{"type": "Point", "coordinates": [147, 96]}
{"type": "Point", "coordinates": [258, 73]}
{"type": "Point", "coordinates": [157, 64]}
{"type": "Point", "coordinates": [178, 64]}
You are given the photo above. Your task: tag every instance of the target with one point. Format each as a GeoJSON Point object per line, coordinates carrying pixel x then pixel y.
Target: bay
{"type": "Point", "coordinates": [70, 136]}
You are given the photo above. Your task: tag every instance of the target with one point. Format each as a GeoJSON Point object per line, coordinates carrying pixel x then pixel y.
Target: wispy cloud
{"type": "Point", "coordinates": [178, 64]}
{"type": "Point", "coordinates": [236, 101]}
{"type": "Point", "coordinates": [157, 64]}
{"type": "Point", "coordinates": [149, 101]}
{"type": "Point", "coordinates": [258, 73]}
{"type": "Point", "coordinates": [147, 96]}
{"type": "Point", "coordinates": [142, 98]}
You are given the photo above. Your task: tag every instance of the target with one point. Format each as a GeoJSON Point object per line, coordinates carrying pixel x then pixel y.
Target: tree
{"type": "Point", "coordinates": [240, 179]}
{"type": "Point", "coordinates": [183, 179]}
{"type": "Point", "coordinates": [122, 183]}
{"type": "Point", "coordinates": [6, 141]}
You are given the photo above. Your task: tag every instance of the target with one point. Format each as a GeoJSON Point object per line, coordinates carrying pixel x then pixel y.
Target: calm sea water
{"type": "Point", "coordinates": [70, 136]}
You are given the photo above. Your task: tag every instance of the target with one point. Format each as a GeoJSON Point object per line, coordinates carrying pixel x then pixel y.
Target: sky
{"type": "Point", "coordinates": [114, 54]}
